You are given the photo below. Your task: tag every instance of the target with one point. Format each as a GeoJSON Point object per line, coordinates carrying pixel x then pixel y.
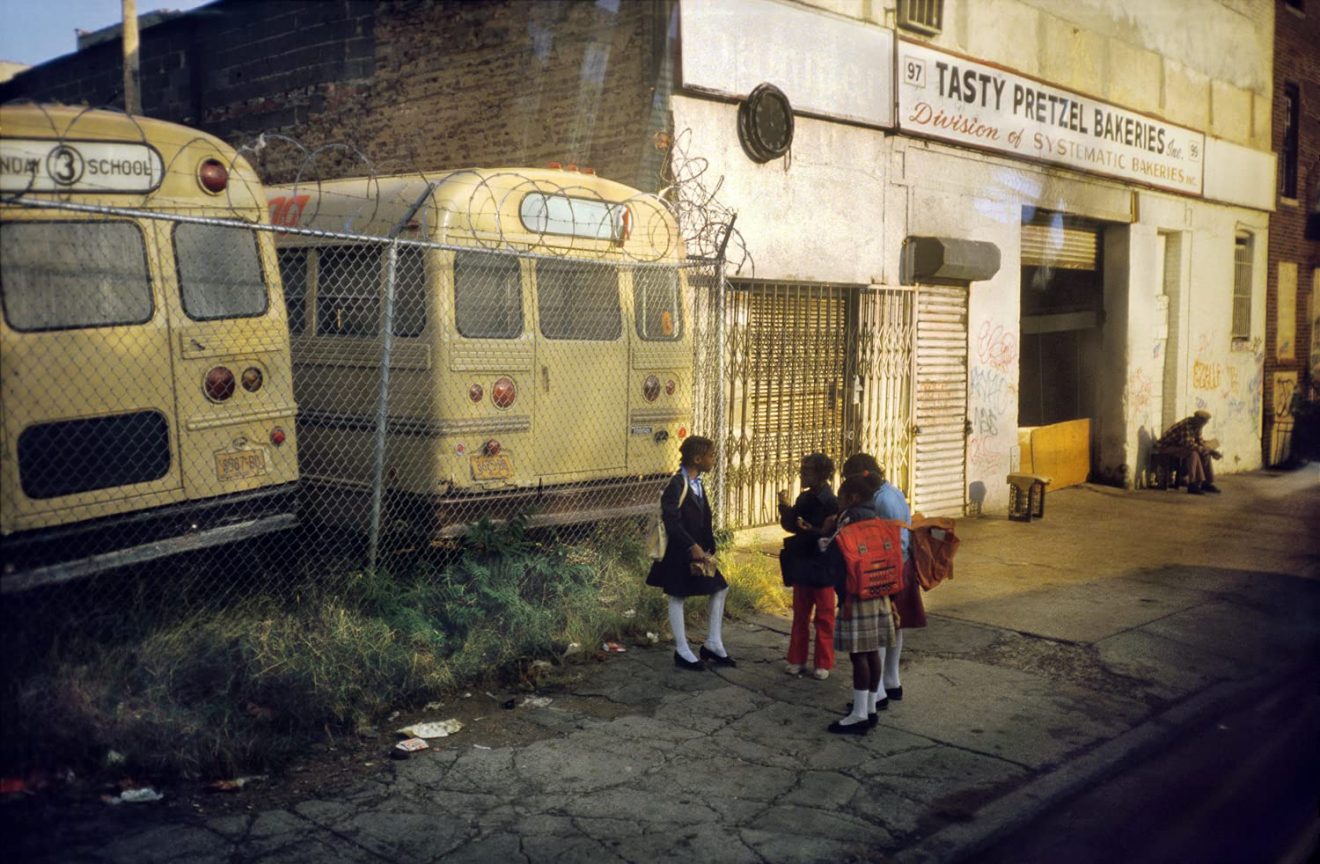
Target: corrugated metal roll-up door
{"type": "Point", "coordinates": [1058, 245]}
{"type": "Point", "coordinates": [939, 486]}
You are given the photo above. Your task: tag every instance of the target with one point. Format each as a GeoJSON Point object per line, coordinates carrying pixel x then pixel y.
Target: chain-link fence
{"type": "Point", "coordinates": [161, 394]}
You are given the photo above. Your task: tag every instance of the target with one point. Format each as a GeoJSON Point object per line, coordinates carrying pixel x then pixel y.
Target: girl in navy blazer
{"type": "Point", "coordinates": [688, 567]}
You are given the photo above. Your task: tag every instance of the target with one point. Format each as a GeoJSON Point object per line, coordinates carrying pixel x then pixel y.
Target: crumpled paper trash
{"type": "Point", "coordinates": [432, 729]}
{"type": "Point", "coordinates": [135, 796]}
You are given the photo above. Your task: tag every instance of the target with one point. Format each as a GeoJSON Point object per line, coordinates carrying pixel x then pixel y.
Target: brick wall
{"type": "Point", "coordinates": [1296, 61]}
{"type": "Point", "coordinates": [398, 86]}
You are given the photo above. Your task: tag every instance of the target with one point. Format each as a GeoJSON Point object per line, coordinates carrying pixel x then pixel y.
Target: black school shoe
{"type": "Point", "coordinates": [895, 693]}
{"type": "Point", "coordinates": [838, 728]}
{"type": "Point", "coordinates": [711, 657]}
{"type": "Point", "coordinates": [691, 665]}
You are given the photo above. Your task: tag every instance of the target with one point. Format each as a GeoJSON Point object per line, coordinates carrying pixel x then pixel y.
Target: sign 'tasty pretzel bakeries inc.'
{"type": "Point", "coordinates": [949, 97]}
{"type": "Point", "coordinates": [36, 165]}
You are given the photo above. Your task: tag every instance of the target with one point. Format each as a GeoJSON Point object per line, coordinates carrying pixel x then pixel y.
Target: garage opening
{"type": "Point", "coordinates": [1062, 293]}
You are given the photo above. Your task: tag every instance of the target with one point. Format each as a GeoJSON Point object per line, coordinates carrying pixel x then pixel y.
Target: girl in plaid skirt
{"type": "Point", "coordinates": [863, 626]}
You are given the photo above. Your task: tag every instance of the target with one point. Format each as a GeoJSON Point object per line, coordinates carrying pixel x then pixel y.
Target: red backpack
{"type": "Point", "coordinates": [873, 558]}
{"type": "Point", "coordinates": [933, 546]}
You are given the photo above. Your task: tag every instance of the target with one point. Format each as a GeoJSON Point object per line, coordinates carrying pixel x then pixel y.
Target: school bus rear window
{"type": "Point", "coordinates": [219, 272]}
{"type": "Point", "coordinates": [487, 295]}
{"type": "Point", "coordinates": [578, 300]}
{"type": "Point", "coordinates": [348, 291]}
{"type": "Point", "coordinates": [72, 275]}
{"type": "Point", "coordinates": [656, 301]}
{"type": "Point", "coordinates": [293, 273]}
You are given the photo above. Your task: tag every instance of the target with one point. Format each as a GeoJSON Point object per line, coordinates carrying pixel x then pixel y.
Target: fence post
{"type": "Point", "coordinates": [721, 367]}
{"type": "Point", "coordinates": [383, 398]}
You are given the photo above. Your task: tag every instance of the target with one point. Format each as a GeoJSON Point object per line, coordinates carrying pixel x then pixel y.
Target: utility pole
{"type": "Point", "coordinates": [132, 94]}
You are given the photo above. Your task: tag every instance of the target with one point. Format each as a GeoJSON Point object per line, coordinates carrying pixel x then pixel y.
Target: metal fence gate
{"type": "Point", "coordinates": [812, 367]}
{"type": "Point", "coordinates": [883, 394]}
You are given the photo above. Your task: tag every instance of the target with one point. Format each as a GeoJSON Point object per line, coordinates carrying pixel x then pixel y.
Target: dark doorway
{"type": "Point", "coordinates": [1062, 319]}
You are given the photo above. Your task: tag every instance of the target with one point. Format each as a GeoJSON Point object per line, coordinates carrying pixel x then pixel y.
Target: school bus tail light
{"type": "Point", "coordinates": [219, 384]}
{"type": "Point", "coordinates": [670, 387]}
{"type": "Point", "coordinates": [491, 448]}
{"type": "Point", "coordinates": [213, 175]}
{"type": "Point", "coordinates": [651, 388]}
{"type": "Point", "coordinates": [252, 379]}
{"type": "Point", "coordinates": [475, 392]}
{"type": "Point", "coordinates": [277, 436]}
{"type": "Point", "coordinates": [503, 393]}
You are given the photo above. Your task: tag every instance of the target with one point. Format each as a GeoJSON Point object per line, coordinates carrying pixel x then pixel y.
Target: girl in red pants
{"type": "Point", "coordinates": [802, 563]}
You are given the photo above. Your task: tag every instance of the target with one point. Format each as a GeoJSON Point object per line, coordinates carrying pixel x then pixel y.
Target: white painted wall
{"type": "Point", "coordinates": [816, 215]}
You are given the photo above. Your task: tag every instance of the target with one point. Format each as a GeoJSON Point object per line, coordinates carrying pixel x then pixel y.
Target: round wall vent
{"type": "Point", "coordinates": [765, 123]}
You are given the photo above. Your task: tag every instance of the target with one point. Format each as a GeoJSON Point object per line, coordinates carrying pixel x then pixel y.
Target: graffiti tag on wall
{"type": "Point", "coordinates": [1206, 375]}
{"type": "Point", "coordinates": [997, 347]}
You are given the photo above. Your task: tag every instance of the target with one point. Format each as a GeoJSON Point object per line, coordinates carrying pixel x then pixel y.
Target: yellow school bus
{"type": "Point", "coordinates": [146, 394]}
{"type": "Point", "coordinates": [540, 357]}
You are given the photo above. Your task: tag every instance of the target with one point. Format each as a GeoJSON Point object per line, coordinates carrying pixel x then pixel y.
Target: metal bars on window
{"type": "Point", "coordinates": [1242, 252]}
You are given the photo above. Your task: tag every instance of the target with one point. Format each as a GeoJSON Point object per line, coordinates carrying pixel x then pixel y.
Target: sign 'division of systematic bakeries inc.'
{"type": "Point", "coordinates": [949, 97]}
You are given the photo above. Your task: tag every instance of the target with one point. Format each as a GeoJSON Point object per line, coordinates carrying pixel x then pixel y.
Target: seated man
{"type": "Point", "coordinates": [1183, 440]}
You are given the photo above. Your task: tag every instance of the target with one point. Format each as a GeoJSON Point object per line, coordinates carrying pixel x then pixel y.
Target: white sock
{"type": "Point", "coordinates": [858, 714]}
{"type": "Point", "coordinates": [870, 701]}
{"type": "Point", "coordinates": [715, 639]}
{"type": "Point", "coordinates": [889, 661]}
{"type": "Point", "coordinates": [680, 631]}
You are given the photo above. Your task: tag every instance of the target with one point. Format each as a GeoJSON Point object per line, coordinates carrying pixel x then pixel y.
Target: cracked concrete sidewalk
{"type": "Point", "coordinates": [1061, 649]}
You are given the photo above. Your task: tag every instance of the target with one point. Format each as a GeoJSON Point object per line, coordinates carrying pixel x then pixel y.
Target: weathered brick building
{"type": "Point", "coordinates": [1292, 354]}
{"type": "Point", "coordinates": [399, 86]}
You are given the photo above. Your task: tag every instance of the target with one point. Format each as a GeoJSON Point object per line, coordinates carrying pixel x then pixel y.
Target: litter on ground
{"type": "Point", "coordinates": [432, 729]}
{"type": "Point", "coordinates": [536, 702]}
{"type": "Point", "coordinates": [135, 796]}
{"type": "Point", "coordinates": [407, 747]}
{"type": "Point", "coordinates": [234, 784]}
{"type": "Point", "coordinates": [613, 648]}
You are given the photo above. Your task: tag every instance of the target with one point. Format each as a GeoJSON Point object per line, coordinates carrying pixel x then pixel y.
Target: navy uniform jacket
{"type": "Point", "coordinates": [685, 526]}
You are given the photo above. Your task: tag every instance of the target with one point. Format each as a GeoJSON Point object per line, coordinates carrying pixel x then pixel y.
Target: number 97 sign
{"type": "Point", "coordinates": [914, 72]}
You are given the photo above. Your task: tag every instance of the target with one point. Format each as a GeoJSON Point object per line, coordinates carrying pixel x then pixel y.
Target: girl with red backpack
{"type": "Point", "coordinates": [864, 626]}
{"type": "Point", "coordinates": [909, 610]}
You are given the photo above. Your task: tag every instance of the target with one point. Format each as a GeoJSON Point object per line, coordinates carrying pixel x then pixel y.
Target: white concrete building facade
{"type": "Point", "coordinates": [1115, 152]}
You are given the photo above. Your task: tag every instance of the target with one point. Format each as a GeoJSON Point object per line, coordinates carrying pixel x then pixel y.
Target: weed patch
{"type": "Point", "coordinates": [236, 682]}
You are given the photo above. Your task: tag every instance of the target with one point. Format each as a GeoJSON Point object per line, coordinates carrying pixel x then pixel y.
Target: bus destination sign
{"type": "Point", "coordinates": [38, 165]}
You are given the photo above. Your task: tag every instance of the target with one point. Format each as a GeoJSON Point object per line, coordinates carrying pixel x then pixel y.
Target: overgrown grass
{"type": "Point", "coordinates": [184, 680]}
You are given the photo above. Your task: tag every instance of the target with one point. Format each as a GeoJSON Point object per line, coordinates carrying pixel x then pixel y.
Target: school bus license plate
{"type": "Point", "coordinates": [239, 464]}
{"type": "Point", "coordinates": [497, 467]}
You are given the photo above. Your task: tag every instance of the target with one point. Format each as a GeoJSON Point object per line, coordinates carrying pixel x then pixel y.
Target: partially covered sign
{"type": "Point", "coordinates": [39, 165]}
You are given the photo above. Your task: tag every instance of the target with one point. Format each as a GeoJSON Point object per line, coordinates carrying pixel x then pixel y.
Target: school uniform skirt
{"type": "Point", "coordinates": [864, 625]}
